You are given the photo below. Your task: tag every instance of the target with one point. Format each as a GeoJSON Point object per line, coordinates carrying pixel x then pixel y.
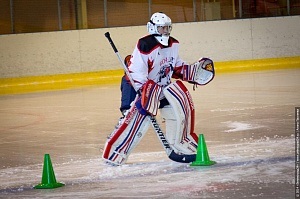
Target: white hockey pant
{"type": "Point", "coordinates": [179, 118]}
{"type": "Point", "coordinates": [125, 137]}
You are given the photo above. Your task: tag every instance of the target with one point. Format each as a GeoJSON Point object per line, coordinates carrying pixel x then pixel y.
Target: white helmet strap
{"type": "Point", "coordinates": [163, 39]}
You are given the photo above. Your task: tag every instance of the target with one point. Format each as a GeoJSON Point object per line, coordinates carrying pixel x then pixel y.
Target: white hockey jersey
{"type": "Point", "coordinates": [151, 60]}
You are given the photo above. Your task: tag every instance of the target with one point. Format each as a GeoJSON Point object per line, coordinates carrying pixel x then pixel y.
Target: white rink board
{"type": "Point", "coordinates": [219, 40]}
{"type": "Point", "coordinates": [78, 51]}
{"type": "Point", "coordinates": [276, 37]}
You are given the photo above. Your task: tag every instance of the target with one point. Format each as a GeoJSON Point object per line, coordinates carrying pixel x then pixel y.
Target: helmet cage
{"type": "Point", "coordinates": [160, 25]}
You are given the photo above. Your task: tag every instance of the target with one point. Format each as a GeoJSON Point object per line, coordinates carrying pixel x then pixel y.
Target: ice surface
{"type": "Point", "coordinates": [240, 126]}
{"type": "Point", "coordinates": [253, 164]}
{"type": "Point", "coordinates": [247, 120]}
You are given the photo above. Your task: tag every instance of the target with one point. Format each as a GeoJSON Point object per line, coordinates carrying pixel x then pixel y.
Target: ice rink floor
{"type": "Point", "coordinates": [248, 120]}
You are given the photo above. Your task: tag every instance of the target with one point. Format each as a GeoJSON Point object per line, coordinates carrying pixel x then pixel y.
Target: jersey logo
{"type": "Point", "coordinates": [164, 73]}
{"type": "Point", "coordinates": [150, 65]}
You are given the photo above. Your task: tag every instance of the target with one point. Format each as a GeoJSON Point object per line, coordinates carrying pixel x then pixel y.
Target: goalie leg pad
{"type": "Point", "coordinates": [168, 115]}
{"type": "Point", "coordinates": [125, 137]}
{"type": "Point", "coordinates": [180, 118]}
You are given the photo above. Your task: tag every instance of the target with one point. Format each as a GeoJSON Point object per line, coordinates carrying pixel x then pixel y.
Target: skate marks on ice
{"type": "Point", "coordinates": [240, 126]}
{"type": "Point", "coordinates": [247, 165]}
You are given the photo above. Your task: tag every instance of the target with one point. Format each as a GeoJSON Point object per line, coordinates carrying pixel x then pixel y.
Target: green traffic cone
{"type": "Point", "coordinates": [48, 178]}
{"type": "Point", "coordinates": [202, 157]}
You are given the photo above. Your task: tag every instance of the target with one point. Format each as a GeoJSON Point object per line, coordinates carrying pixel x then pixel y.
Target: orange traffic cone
{"type": "Point", "coordinates": [48, 178]}
{"type": "Point", "coordinates": [202, 157]}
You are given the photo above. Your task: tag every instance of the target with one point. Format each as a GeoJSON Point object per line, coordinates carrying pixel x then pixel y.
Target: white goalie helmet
{"type": "Point", "coordinates": [160, 25]}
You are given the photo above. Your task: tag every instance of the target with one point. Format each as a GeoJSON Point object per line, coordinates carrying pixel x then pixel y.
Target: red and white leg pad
{"type": "Point", "coordinates": [125, 137]}
{"type": "Point", "coordinates": [180, 118]}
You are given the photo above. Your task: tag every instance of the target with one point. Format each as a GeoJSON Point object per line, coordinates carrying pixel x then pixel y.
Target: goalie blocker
{"type": "Point", "coordinates": [179, 118]}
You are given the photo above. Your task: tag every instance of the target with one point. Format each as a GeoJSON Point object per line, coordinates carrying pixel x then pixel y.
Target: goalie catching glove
{"type": "Point", "coordinates": [200, 73]}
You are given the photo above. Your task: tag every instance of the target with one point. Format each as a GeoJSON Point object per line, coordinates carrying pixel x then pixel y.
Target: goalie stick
{"type": "Point", "coordinates": [168, 149]}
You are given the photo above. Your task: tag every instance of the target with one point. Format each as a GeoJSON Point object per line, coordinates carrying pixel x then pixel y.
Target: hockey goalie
{"type": "Point", "coordinates": [152, 65]}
